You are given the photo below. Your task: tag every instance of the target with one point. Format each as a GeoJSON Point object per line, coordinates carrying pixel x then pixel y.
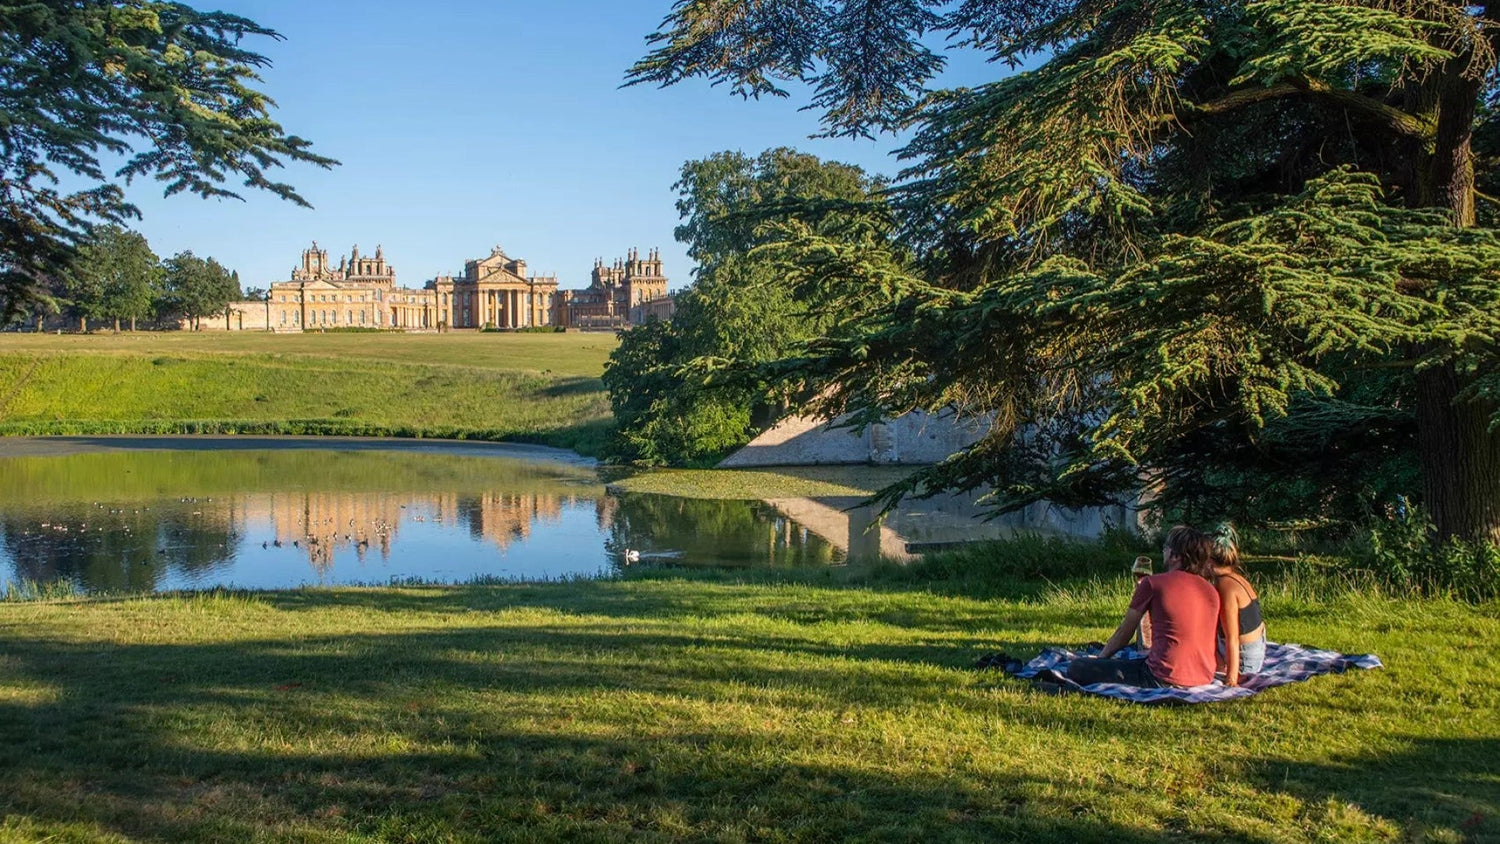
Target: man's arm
{"type": "Point", "coordinates": [1122, 634]}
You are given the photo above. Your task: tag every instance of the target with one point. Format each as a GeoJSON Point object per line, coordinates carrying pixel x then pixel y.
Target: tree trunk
{"type": "Point", "coordinates": [83, 325]}
{"type": "Point", "coordinates": [1459, 454]}
{"type": "Point", "coordinates": [1460, 458]}
{"type": "Point", "coordinates": [117, 325]}
{"type": "Point", "coordinates": [132, 324]}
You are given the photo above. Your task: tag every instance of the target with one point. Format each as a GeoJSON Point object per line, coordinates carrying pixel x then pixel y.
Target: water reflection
{"type": "Point", "coordinates": [684, 531]}
{"type": "Point", "coordinates": [135, 520]}
{"type": "Point", "coordinates": [182, 519]}
{"type": "Point", "coordinates": [107, 546]}
{"type": "Point", "coordinates": [110, 548]}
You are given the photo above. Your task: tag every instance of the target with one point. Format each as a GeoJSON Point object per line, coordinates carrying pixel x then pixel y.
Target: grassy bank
{"type": "Point", "coordinates": [817, 707]}
{"type": "Point", "coordinates": [559, 354]}
{"type": "Point", "coordinates": [746, 484]}
{"type": "Point", "coordinates": [525, 387]}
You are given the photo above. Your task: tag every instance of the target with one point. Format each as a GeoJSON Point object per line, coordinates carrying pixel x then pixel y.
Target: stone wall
{"type": "Point", "coordinates": [249, 315]}
{"type": "Point", "coordinates": [914, 439]}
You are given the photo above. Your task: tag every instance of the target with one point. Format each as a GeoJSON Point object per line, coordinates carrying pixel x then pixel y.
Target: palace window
{"type": "Point", "coordinates": [350, 315]}
{"type": "Point", "coordinates": [361, 317]}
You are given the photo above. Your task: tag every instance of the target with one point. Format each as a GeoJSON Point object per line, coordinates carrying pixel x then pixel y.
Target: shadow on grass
{"type": "Point", "coordinates": [1428, 783]}
{"type": "Point", "coordinates": [666, 600]}
{"type": "Point", "coordinates": [588, 438]}
{"type": "Point", "coordinates": [573, 386]}
{"type": "Point", "coordinates": [662, 709]}
{"type": "Point", "coordinates": [483, 734]}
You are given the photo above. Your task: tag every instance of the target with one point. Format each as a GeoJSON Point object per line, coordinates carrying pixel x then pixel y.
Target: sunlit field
{"type": "Point", "coordinates": [673, 706]}
{"type": "Point", "coordinates": [531, 387]}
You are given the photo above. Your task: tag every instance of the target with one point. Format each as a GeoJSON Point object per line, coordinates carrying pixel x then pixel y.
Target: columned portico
{"type": "Point", "coordinates": [498, 293]}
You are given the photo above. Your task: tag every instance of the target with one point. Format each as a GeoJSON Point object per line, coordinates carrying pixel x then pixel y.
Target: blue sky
{"type": "Point", "coordinates": [463, 124]}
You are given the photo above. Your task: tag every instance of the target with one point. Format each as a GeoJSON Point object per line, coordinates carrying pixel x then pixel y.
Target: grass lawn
{"type": "Point", "coordinates": [775, 707]}
{"type": "Point", "coordinates": [744, 484]}
{"type": "Point", "coordinates": [531, 387]}
{"type": "Point", "coordinates": [572, 353]}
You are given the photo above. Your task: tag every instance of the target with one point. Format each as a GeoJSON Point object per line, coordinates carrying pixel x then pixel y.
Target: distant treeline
{"type": "Point", "coordinates": [117, 281]}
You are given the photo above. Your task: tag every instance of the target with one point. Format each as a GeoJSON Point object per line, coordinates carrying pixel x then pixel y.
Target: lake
{"type": "Point", "coordinates": [155, 514]}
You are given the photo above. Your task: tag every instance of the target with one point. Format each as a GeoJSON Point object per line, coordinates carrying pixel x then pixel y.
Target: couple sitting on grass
{"type": "Point", "coordinates": [1198, 618]}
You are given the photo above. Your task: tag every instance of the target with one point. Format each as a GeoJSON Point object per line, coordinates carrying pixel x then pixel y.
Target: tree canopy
{"type": "Point", "coordinates": [740, 307]}
{"type": "Point", "coordinates": [1191, 231]}
{"type": "Point", "coordinates": [115, 276]}
{"type": "Point", "coordinates": [198, 287]}
{"type": "Point", "coordinates": [98, 93]}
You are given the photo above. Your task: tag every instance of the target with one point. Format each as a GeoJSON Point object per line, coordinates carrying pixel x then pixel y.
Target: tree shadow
{"type": "Point", "coordinates": [1428, 786]}
{"type": "Point", "coordinates": [572, 386]}
{"type": "Point", "coordinates": [669, 599]}
{"type": "Point", "coordinates": [475, 734]}
{"type": "Point", "coordinates": [617, 709]}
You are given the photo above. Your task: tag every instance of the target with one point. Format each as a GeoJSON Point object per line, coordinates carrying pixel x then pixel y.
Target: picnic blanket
{"type": "Point", "coordinates": [1285, 663]}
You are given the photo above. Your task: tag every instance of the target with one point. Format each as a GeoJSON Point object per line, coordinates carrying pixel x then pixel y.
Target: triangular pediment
{"type": "Point", "coordinates": [497, 274]}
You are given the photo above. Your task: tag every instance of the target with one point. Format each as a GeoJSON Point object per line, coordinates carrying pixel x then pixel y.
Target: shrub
{"type": "Point", "coordinates": [1404, 550]}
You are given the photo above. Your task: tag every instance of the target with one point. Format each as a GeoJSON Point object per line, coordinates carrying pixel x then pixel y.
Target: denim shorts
{"type": "Point", "coordinates": [1252, 654]}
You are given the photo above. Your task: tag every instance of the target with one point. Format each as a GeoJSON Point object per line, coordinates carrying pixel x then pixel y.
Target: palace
{"type": "Point", "coordinates": [495, 292]}
{"type": "Point", "coordinates": [619, 295]}
{"type": "Point", "coordinates": [491, 293]}
{"type": "Point", "coordinates": [360, 292]}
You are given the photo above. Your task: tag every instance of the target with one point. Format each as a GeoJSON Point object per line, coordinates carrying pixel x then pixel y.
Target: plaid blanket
{"type": "Point", "coordinates": [1285, 663]}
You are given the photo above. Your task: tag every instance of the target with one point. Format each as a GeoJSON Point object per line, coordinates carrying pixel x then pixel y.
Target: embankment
{"type": "Point", "coordinates": [468, 388]}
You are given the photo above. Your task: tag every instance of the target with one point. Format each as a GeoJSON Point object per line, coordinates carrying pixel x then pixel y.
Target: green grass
{"type": "Point", "coordinates": [525, 387]}
{"type": "Point", "coordinates": [566, 354]}
{"type": "Point", "coordinates": [741, 484]}
{"type": "Point", "coordinates": [824, 706]}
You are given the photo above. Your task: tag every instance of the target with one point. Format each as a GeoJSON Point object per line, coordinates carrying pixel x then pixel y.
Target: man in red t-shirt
{"type": "Point", "coordinates": [1184, 609]}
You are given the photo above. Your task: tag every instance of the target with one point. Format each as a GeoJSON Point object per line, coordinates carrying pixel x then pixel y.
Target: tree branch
{"type": "Point", "coordinates": [1244, 97]}
{"type": "Point", "coordinates": [1393, 118]}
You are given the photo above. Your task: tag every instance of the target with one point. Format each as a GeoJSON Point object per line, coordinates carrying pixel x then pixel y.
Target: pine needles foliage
{"type": "Point", "coordinates": [1191, 246]}
{"type": "Point", "coordinates": [168, 90]}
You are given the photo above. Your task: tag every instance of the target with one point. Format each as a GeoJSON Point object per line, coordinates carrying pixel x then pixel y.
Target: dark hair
{"type": "Point", "coordinates": [1226, 546]}
{"type": "Point", "coordinates": [1194, 549]}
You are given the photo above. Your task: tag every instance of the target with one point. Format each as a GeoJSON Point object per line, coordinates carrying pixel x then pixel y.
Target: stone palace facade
{"type": "Point", "coordinates": [617, 294]}
{"type": "Point", "coordinates": [491, 293]}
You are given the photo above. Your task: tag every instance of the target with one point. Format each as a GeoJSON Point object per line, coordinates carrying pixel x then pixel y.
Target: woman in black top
{"type": "Point", "coordinates": [1242, 630]}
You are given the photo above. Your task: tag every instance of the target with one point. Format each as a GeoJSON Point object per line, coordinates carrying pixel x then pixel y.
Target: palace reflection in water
{"type": "Point", "coordinates": [140, 520]}
{"type": "Point", "coordinates": [105, 522]}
